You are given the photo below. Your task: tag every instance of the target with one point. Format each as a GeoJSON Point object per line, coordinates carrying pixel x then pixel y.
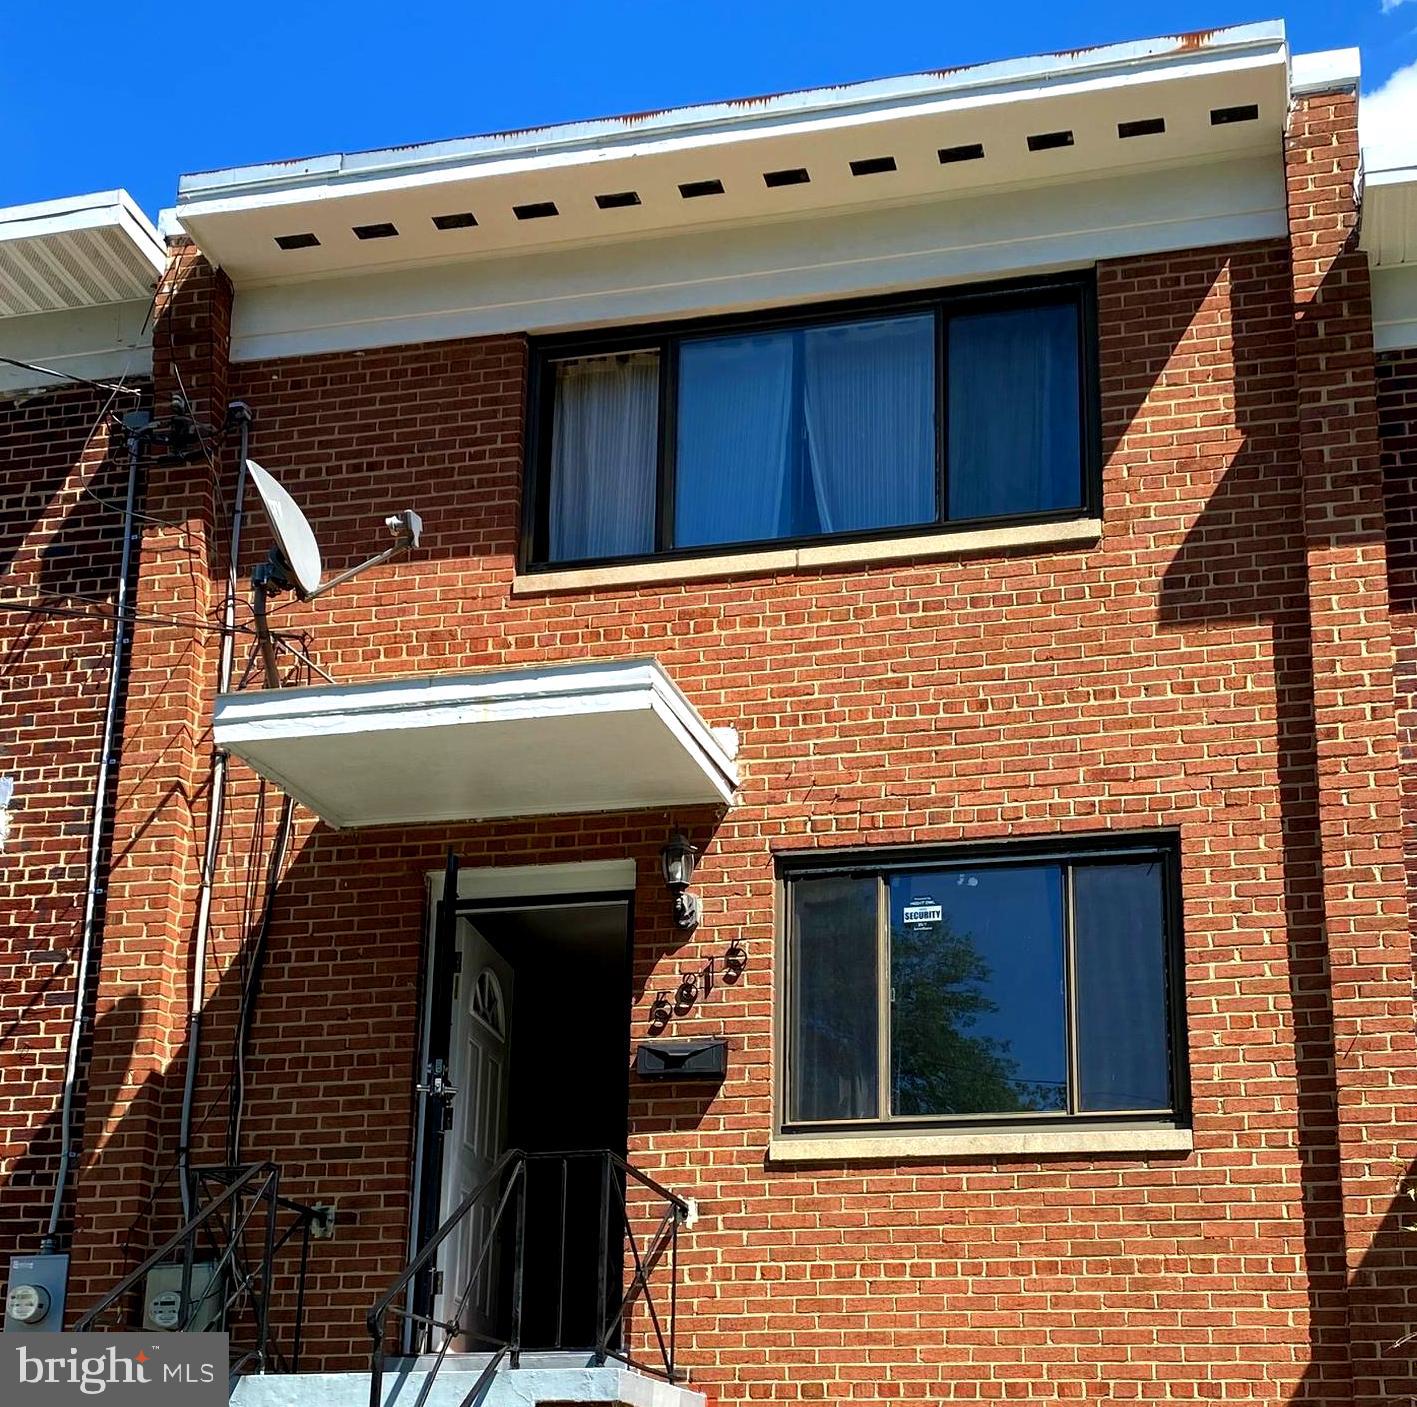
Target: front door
{"type": "Point", "coordinates": [554, 1086]}
{"type": "Point", "coordinates": [479, 1050]}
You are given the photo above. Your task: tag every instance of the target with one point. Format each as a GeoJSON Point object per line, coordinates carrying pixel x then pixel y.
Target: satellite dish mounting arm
{"type": "Point", "coordinates": [269, 579]}
{"type": "Point", "coordinates": [277, 574]}
{"type": "Point", "coordinates": [407, 528]}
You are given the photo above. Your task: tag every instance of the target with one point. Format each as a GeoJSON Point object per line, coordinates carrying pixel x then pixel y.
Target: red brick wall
{"type": "Point", "coordinates": [136, 1070]}
{"type": "Point", "coordinates": [59, 549]}
{"type": "Point", "coordinates": [1161, 679]}
{"type": "Point", "coordinates": [1221, 665]}
{"type": "Point", "coordinates": [1397, 428]}
{"type": "Point", "coordinates": [1368, 941]}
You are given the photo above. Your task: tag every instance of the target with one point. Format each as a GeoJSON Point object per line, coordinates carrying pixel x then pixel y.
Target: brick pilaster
{"type": "Point", "coordinates": [1368, 939]}
{"type": "Point", "coordinates": [136, 1069]}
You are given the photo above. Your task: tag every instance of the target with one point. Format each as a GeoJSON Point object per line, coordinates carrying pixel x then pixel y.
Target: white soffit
{"type": "Point", "coordinates": [836, 254]}
{"type": "Point", "coordinates": [445, 747]}
{"type": "Point", "coordinates": [1198, 87]}
{"type": "Point", "coordinates": [1389, 236]}
{"type": "Point", "coordinates": [80, 252]}
{"type": "Point", "coordinates": [1389, 230]}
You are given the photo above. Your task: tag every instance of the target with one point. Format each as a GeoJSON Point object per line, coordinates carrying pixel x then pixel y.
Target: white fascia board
{"type": "Point", "coordinates": [609, 877]}
{"type": "Point", "coordinates": [393, 702]}
{"type": "Point", "coordinates": [223, 193]}
{"type": "Point", "coordinates": [55, 218]}
{"type": "Point", "coordinates": [1395, 308]}
{"type": "Point", "coordinates": [1376, 175]}
{"type": "Point", "coordinates": [104, 342]}
{"type": "Point", "coordinates": [1327, 71]}
{"type": "Point", "coordinates": [168, 224]}
{"type": "Point", "coordinates": [1009, 80]}
{"type": "Point", "coordinates": [885, 249]}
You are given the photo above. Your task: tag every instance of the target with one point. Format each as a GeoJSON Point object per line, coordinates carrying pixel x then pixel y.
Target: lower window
{"type": "Point", "coordinates": [982, 986]}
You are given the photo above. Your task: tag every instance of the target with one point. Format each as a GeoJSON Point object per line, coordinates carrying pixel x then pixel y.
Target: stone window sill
{"type": "Point", "coordinates": [941, 1146]}
{"type": "Point", "coordinates": [1082, 532]}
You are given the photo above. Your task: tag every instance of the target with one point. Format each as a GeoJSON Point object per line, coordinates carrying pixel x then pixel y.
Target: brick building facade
{"type": "Point", "coordinates": [63, 496]}
{"type": "Point", "coordinates": [1206, 656]}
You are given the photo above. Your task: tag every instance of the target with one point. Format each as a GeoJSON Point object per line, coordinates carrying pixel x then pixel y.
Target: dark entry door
{"type": "Point", "coordinates": [569, 1104]}
{"type": "Point", "coordinates": [568, 957]}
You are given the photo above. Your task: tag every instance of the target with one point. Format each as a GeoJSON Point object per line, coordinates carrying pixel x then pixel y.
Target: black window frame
{"type": "Point", "coordinates": [1162, 847]}
{"type": "Point", "coordinates": [1077, 289]}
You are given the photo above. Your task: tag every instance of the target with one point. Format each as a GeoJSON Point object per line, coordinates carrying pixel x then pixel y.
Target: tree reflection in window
{"type": "Point", "coordinates": [977, 1015]}
{"type": "Point", "coordinates": [986, 989]}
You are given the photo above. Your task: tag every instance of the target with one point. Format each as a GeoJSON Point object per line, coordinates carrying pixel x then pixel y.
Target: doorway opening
{"type": "Point", "coordinates": [528, 1012]}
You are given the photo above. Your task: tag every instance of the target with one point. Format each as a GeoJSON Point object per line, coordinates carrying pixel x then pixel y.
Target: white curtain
{"type": "Point", "coordinates": [733, 431]}
{"type": "Point", "coordinates": [604, 453]}
{"type": "Point", "coordinates": [869, 407]}
{"type": "Point", "coordinates": [1014, 418]}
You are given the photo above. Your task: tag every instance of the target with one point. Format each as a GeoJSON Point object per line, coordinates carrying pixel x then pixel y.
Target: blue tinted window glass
{"type": "Point", "coordinates": [1120, 939]}
{"type": "Point", "coordinates": [804, 432]}
{"type": "Point", "coordinates": [1015, 437]}
{"type": "Point", "coordinates": [977, 986]}
{"type": "Point", "coordinates": [868, 406]}
{"type": "Point", "coordinates": [736, 465]}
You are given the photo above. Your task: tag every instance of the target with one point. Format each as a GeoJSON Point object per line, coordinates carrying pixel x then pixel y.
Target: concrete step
{"type": "Point", "coordinates": [543, 1380]}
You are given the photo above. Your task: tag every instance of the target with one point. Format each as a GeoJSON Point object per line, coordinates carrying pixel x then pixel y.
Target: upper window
{"type": "Point", "coordinates": [909, 416]}
{"type": "Point", "coordinates": [998, 986]}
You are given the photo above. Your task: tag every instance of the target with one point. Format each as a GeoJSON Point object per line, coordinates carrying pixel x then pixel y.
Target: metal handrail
{"type": "Point", "coordinates": [419, 1263]}
{"type": "Point", "coordinates": [178, 1237]}
{"type": "Point", "coordinates": [508, 1179]}
{"type": "Point", "coordinates": [261, 1182]}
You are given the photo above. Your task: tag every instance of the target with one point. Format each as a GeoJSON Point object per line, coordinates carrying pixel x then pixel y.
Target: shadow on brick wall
{"type": "Point", "coordinates": [331, 1068]}
{"type": "Point", "coordinates": [1242, 563]}
{"type": "Point", "coordinates": [60, 518]}
{"type": "Point", "coordinates": [27, 1191]}
{"type": "Point", "coordinates": [1239, 564]}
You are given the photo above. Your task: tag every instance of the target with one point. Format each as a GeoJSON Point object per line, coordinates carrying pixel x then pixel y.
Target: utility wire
{"type": "Point", "coordinates": [140, 517]}
{"type": "Point", "coordinates": [34, 608]}
{"type": "Point", "coordinates": [118, 389]}
{"type": "Point", "coordinates": [217, 500]}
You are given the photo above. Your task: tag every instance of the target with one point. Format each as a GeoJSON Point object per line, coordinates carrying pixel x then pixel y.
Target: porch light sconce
{"type": "Point", "coordinates": [677, 859]}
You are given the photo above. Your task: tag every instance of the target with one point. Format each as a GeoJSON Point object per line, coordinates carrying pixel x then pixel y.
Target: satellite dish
{"type": "Point", "coordinates": [296, 541]}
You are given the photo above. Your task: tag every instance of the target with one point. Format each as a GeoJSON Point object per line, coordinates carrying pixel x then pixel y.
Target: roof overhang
{"type": "Point", "coordinates": [80, 252]}
{"type": "Point", "coordinates": [453, 747]}
{"type": "Point", "coordinates": [237, 215]}
{"type": "Point", "coordinates": [1389, 233]}
{"type": "Point", "coordinates": [1389, 237]}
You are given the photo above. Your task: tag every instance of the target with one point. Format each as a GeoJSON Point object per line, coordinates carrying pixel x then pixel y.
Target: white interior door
{"type": "Point", "coordinates": [479, 1068]}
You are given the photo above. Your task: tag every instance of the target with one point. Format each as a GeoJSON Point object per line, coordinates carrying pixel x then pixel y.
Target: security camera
{"type": "Point", "coordinates": [406, 524]}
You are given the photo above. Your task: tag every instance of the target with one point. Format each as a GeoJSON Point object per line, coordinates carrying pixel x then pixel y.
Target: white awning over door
{"type": "Point", "coordinates": [446, 747]}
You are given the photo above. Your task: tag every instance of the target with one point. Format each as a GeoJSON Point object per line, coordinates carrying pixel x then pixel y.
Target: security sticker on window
{"type": "Point", "coordinates": [922, 913]}
{"type": "Point", "coordinates": [116, 1370]}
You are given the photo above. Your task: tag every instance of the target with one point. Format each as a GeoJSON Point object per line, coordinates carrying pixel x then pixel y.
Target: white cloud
{"type": "Point", "coordinates": [1387, 119]}
{"type": "Point", "coordinates": [1390, 5]}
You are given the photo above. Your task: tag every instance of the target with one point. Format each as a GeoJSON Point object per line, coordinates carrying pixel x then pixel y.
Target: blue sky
{"type": "Point", "coordinates": [95, 94]}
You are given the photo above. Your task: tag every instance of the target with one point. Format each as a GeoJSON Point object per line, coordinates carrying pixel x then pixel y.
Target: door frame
{"type": "Point", "coordinates": [492, 889]}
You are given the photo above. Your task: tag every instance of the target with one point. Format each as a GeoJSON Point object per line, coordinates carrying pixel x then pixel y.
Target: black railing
{"type": "Point", "coordinates": [227, 1253]}
{"type": "Point", "coordinates": [542, 1275]}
